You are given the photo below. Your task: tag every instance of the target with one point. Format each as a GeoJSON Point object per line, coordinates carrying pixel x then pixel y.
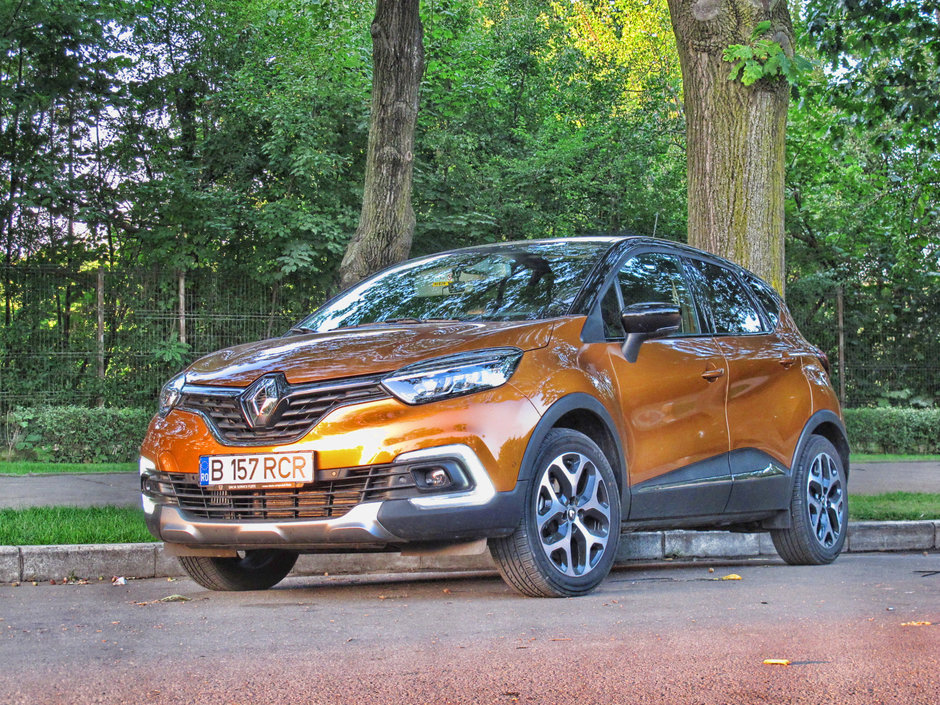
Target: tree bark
{"type": "Point", "coordinates": [387, 221]}
{"type": "Point", "coordinates": [735, 134]}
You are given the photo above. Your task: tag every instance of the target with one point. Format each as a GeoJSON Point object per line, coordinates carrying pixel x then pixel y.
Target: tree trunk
{"type": "Point", "coordinates": [735, 134]}
{"type": "Point", "coordinates": [387, 222]}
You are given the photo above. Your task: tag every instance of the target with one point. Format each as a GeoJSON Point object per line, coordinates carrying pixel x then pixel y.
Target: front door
{"type": "Point", "coordinates": [672, 399]}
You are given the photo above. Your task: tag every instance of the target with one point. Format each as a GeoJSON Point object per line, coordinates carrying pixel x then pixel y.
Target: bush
{"type": "Point", "coordinates": [893, 430]}
{"type": "Point", "coordinates": [76, 434]}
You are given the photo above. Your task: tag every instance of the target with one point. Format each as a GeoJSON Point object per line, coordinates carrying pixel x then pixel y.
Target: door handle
{"type": "Point", "coordinates": [787, 362]}
{"type": "Point", "coordinates": [712, 375]}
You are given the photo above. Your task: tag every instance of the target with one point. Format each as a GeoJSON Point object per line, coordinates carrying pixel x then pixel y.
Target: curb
{"type": "Point", "coordinates": [148, 560]}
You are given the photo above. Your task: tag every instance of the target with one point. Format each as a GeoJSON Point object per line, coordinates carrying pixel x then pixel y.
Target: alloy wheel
{"type": "Point", "coordinates": [573, 514]}
{"type": "Point", "coordinates": [825, 500]}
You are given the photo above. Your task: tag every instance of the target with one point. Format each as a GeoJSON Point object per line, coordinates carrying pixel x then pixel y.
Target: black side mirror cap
{"type": "Point", "coordinates": [646, 321]}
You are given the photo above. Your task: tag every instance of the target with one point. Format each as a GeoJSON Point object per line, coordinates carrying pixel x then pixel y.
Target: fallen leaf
{"type": "Point", "coordinates": [916, 624]}
{"type": "Point", "coordinates": [732, 576]}
{"type": "Point", "coordinates": [174, 598]}
{"type": "Point", "coordinates": [776, 662]}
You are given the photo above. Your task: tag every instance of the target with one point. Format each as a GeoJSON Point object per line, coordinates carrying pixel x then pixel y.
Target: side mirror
{"type": "Point", "coordinates": [647, 321]}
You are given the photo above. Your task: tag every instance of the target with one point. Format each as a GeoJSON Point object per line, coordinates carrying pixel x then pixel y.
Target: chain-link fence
{"type": "Point", "coordinates": [113, 337]}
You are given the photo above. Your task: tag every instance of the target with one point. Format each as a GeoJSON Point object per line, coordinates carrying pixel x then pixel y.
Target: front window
{"type": "Point", "coordinates": [657, 277]}
{"type": "Point", "coordinates": [519, 282]}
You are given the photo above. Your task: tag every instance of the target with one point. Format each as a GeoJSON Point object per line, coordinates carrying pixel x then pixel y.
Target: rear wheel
{"type": "Point", "coordinates": [819, 508]}
{"type": "Point", "coordinates": [251, 570]}
{"type": "Point", "coordinates": [567, 539]}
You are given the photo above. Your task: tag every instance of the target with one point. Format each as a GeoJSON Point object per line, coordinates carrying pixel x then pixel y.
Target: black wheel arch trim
{"type": "Point", "coordinates": [579, 402]}
{"type": "Point", "coordinates": [835, 433]}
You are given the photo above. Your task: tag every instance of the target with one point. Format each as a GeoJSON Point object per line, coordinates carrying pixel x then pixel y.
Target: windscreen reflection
{"type": "Point", "coordinates": [524, 282]}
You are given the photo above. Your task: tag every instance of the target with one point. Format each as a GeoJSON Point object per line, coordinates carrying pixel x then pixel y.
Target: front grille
{"type": "Point", "coordinates": [307, 404]}
{"type": "Point", "coordinates": [324, 499]}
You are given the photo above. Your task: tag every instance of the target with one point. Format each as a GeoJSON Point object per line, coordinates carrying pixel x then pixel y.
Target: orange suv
{"type": "Point", "coordinates": [540, 396]}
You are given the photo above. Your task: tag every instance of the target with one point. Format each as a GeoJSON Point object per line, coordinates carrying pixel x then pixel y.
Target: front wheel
{"type": "Point", "coordinates": [567, 539]}
{"type": "Point", "coordinates": [819, 508]}
{"type": "Point", "coordinates": [251, 570]}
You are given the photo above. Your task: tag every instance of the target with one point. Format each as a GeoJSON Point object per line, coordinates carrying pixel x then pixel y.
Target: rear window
{"type": "Point", "coordinates": [766, 297]}
{"type": "Point", "coordinates": [732, 310]}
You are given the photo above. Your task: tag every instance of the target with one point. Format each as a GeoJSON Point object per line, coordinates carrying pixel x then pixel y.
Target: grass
{"type": "Point", "coordinates": [887, 457]}
{"type": "Point", "coordinates": [894, 506]}
{"type": "Point", "coordinates": [23, 467]}
{"type": "Point", "coordinates": [43, 526]}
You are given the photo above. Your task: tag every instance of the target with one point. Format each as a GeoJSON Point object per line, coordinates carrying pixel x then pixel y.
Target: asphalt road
{"type": "Point", "coordinates": [123, 489]}
{"type": "Point", "coordinates": [669, 633]}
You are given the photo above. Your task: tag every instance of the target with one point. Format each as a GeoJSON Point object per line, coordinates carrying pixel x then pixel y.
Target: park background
{"type": "Point", "coordinates": [177, 177]}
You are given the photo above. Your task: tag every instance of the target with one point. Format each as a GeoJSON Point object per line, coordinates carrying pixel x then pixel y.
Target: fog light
{"type": "Point", "coordinates": [438, 477]}
{"type": "Point", "coordinates": [152, 486]}
{"type": "Point", "coordinates": [432, 477]}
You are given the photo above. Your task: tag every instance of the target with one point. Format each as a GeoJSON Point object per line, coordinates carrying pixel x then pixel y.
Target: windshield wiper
{"type": "Point", "coordinates": [300, 330]}
{"type": "Point", "coordinates": [419, 320]}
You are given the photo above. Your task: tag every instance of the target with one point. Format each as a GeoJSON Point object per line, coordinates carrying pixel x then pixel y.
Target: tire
{"type": "Point", "coordinates": [819, 508]}
{"type": "Point", "coordinates": [567, 539]}
{"type": "Point", "coordinates": [252, 570]}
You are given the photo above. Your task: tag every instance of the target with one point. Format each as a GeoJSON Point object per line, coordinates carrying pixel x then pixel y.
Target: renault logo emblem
{"type": "Point", "coordinates": [262, 401]}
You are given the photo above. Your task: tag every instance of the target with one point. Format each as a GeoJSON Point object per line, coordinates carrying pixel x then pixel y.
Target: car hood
{"type": "Point", "coordinates": [352, 352]}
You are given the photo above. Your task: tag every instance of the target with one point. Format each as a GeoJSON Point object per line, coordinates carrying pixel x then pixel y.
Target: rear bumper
{"type": "Point", "coordinates": [477, 512]}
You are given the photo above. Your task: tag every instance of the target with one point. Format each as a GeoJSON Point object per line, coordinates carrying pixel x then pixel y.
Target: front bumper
{"type": "Point", "coordinates": [477, 511]}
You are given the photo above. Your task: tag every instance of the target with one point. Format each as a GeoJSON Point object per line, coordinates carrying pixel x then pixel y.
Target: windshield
{"type": "Point", "coordinates": [519, 282]}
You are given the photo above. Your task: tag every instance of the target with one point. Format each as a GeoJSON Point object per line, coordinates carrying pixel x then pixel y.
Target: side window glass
{"type": "Point", "coordinates": [766, 297]}
{"type": "Point", "coordinates": [733, 312]}
{"type": "Point", "coordinates": [657, 277]}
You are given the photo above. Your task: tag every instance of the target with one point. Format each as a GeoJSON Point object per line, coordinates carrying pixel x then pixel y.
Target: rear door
{"type": "Point", "coordinates": [672, 398]}
{"type": "Point", "coordinates": [768, 395]}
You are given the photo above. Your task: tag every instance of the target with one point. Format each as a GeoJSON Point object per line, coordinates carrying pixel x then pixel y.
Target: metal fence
{"type": "Point", "coordinates": [113, 337]}
{"type": "Point", "coordinates": [883, 345]}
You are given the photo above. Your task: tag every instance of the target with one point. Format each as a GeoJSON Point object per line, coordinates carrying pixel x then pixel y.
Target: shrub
{"type": "Point", "coordinates": [76, 434]}
{"type": "Point", "coordinates": [894, 430]}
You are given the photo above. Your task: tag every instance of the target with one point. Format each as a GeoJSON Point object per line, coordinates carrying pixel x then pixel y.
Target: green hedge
{"type": "Point", "coordinates": [894, 430]}
{"type": "Point", "coordinates": [76, 434]}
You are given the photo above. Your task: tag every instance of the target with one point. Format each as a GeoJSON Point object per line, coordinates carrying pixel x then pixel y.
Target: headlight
{"type": "Point", "coordinates": [171, 394]}
{"type": "Point", "coordinates": [454, 375]}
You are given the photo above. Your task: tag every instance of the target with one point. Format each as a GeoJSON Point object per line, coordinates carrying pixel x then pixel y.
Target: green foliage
{"type": "Point", "coordinates": [862, 215]}
{"type": "Point", "coordinates": [172, 352]}
{"type": "Point", "coordinates": [884, 63]}
{"type": "Point", "coordinates": [45, 526]}
{"type": "Point", "coordinates": [524, 132]}
{"type": "Point", "coordinates": [893, 430]}
{"type": "Point", "coordinates": [763, 58]}
{"type": "Point", "coordinates": [226, 139]}
{"type": "Point", "coordinates": [72, 434]}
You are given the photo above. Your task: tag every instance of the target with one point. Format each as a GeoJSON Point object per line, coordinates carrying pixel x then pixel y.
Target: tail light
{"type": "Point", "coordinates": [824, 361]}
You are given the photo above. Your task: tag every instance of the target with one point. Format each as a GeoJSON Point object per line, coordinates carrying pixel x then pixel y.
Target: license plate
{"type": "Point", "coordinates": [257, 469]}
